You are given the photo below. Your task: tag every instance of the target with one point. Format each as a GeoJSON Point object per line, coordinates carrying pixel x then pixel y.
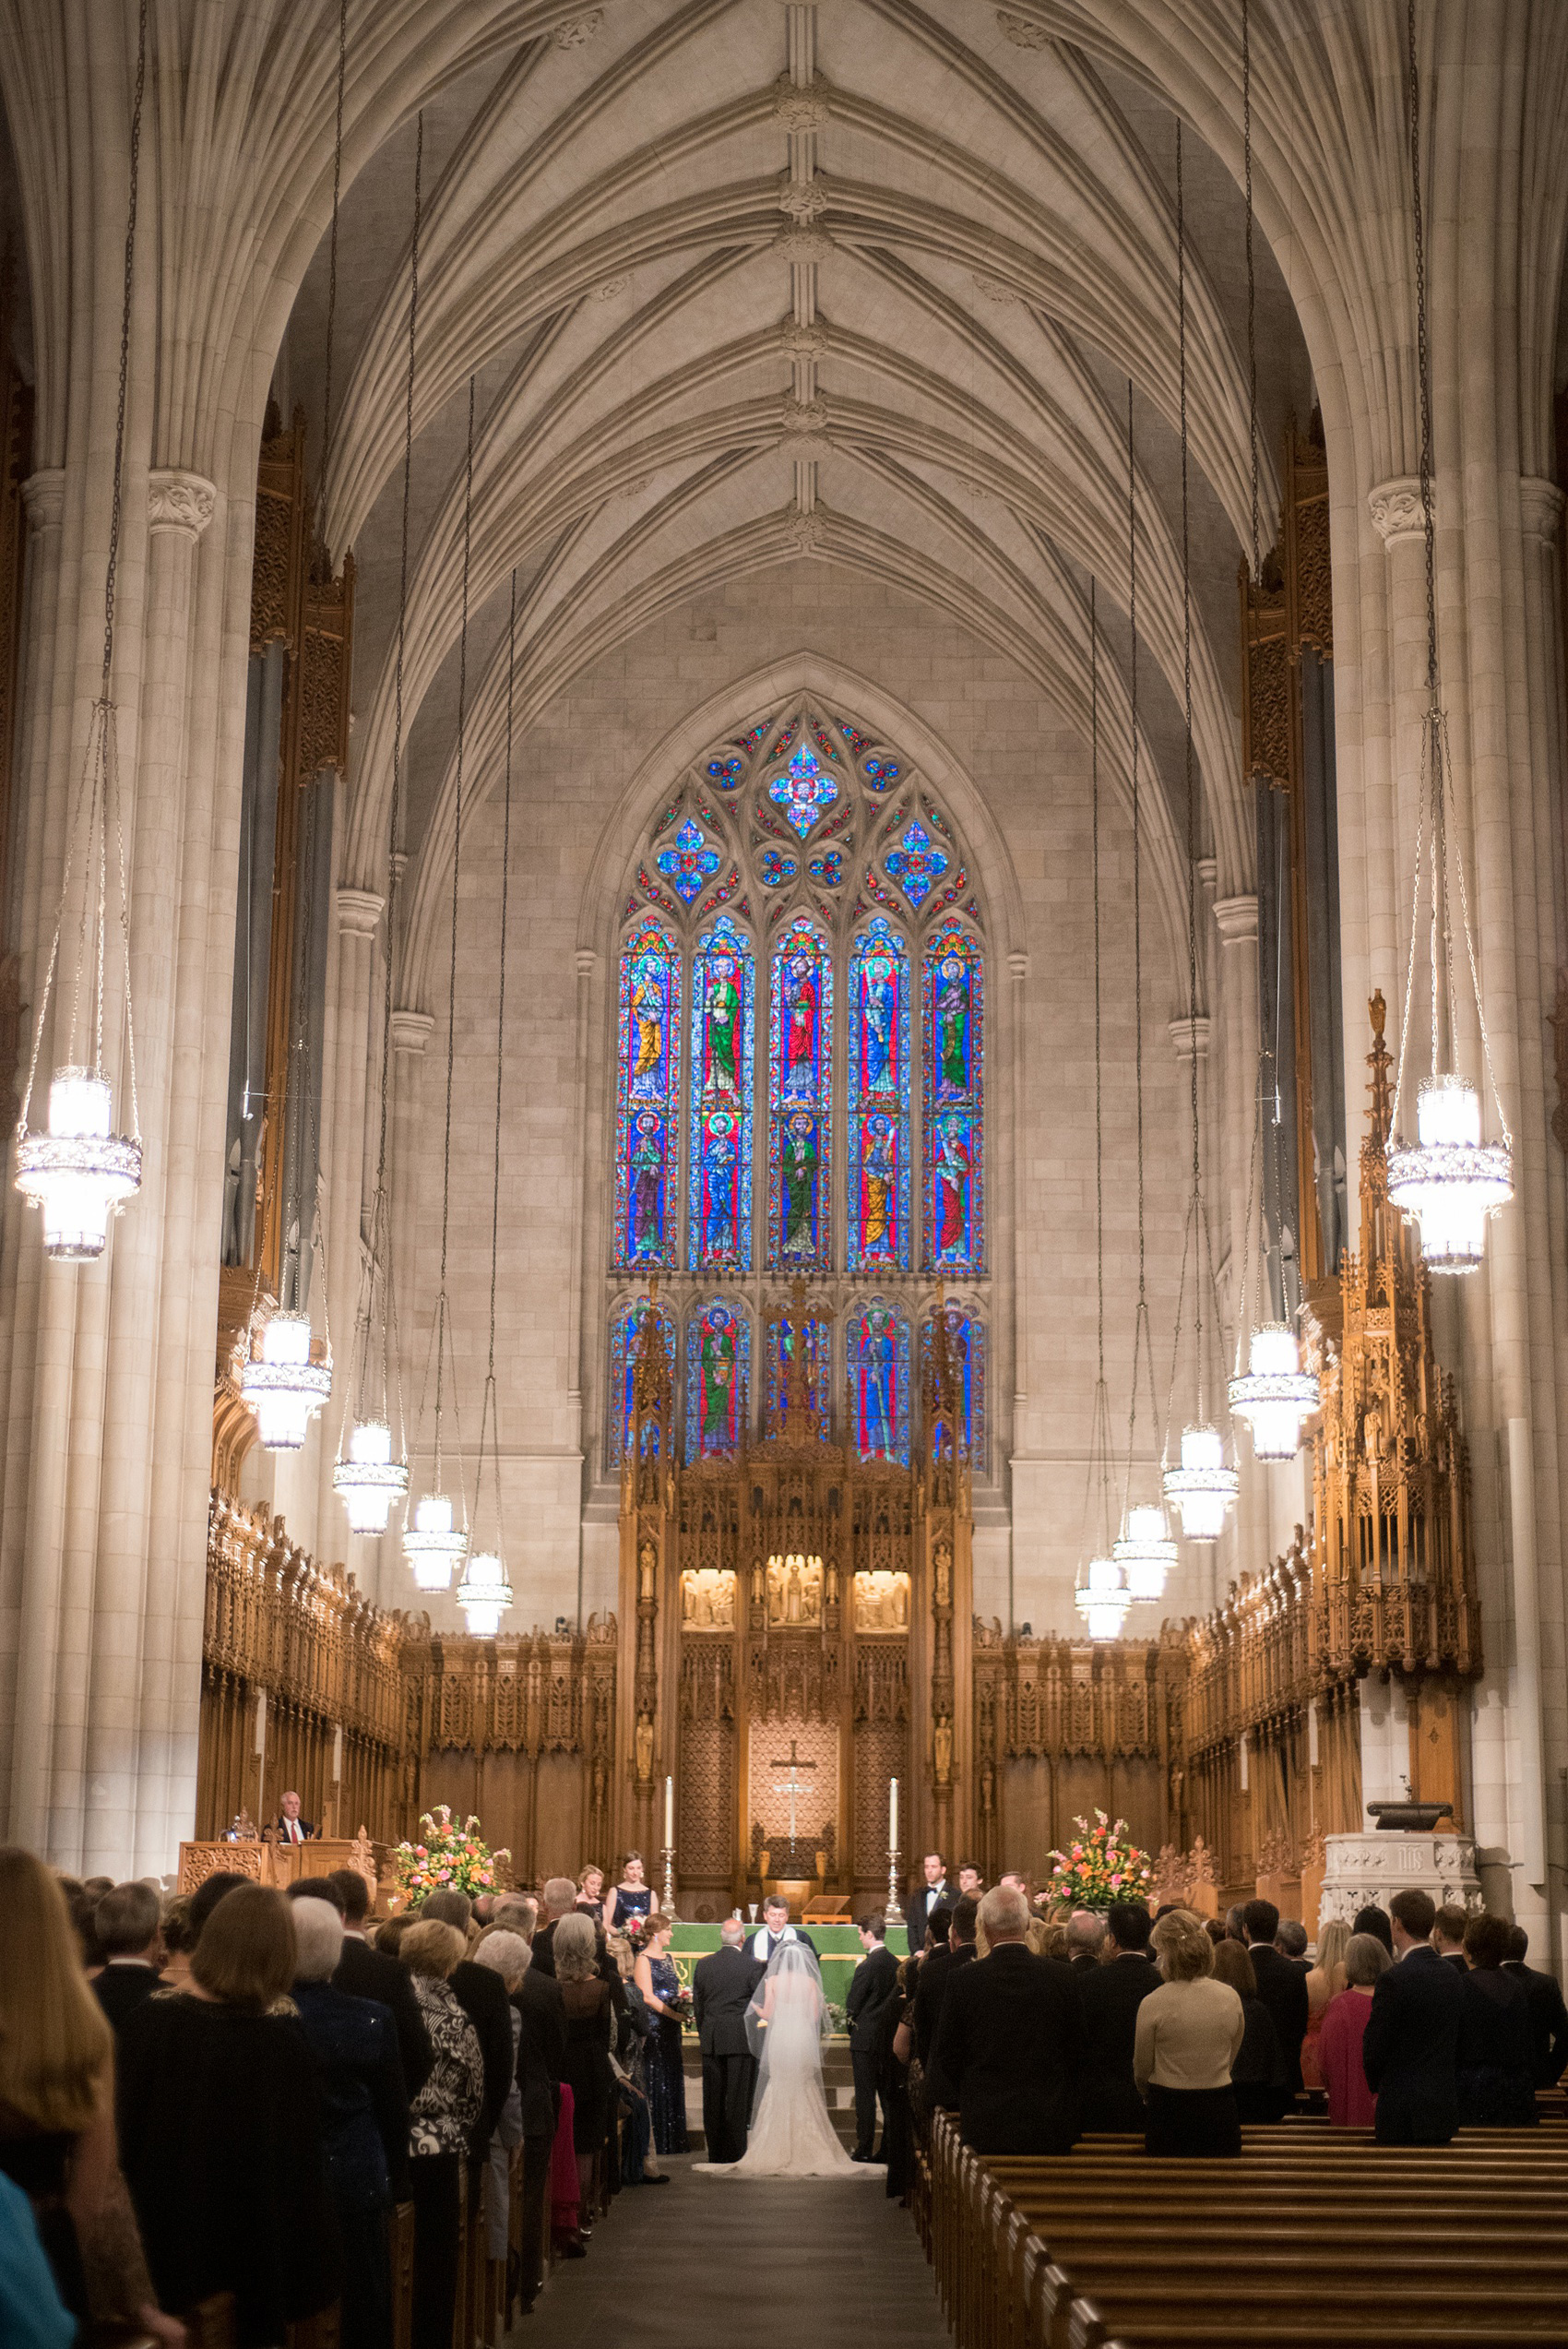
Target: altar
{"type": "Point", "coordinates": [838, 1949]}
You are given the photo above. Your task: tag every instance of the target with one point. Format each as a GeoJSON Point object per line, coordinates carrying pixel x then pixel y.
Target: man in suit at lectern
{"type": "Point", "coordinates": [722, 1983]}
{"type": "Point", "coordinates": [291, 1828]}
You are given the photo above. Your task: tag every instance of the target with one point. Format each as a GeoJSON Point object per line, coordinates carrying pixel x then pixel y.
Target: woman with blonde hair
{"type": "Point", "coordinates": [223, 2130]}
{"type": "Point", "coordinates": [57, 2106]}
{"type": "Point", "coordinates": [1325, 1979]}
{"type": "Point", "coordinates": [1351, 2104]}
{"type": "Point", "coordinates": [440, 2120]}
{"type": "Point", "coordinates": [1189, 2032]}
{"type": "Point", "coordinates": [585, 1996]}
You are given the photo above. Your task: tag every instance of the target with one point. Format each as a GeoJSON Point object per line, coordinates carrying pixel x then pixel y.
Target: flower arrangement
{"type": "Point", "coordinates": [1098, 1867]}
{"type": "Point", "coordinates": [449, 1859]}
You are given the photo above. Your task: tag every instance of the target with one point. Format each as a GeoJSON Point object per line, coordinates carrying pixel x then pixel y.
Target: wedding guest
{"type": "Point", "coordinates": [541, 2056]}
{"type": "Point", "coordinates": [591, 1897]}
{"type": "Point", "coordinates": [1325, 1979]}
{"type": "Point", "coordinates": [1448, 1935]}
{"type": "Point", "coordinates": [364, 1973]}
{"type": "Point", "coordinates": [1236, 1922]}
{"type": "Point", "coordinates": [722, 1983]}
{"type": "Point", "coordinates": [82, 1909]}
{"type": "Point", "coordinates": [291, 1827]}
{"type": "Point", "coordinates": [1548, 2015]}
{"type": "Point", "coordinates": [128, 1928]}
{"type": "Point", "coordinates": [589, 2020]}
{"type": "Point", "coordinates": [1009, 2042]}
{"type": "Point", "coordinates": [872, 1983]}
{"type": "Point", "coordinates": [1257, 2068]}
{"type": "Point", "coordinates": [507, 1956]}
{"type": "Point", "coordinates": [893, 2045]}
{"type": "Point", "coordinates": [656, 1979]}
{"type": "Point", "coordinates": [366, 2118]}
{"type": "Point", "coordinates": [1374, 1920]}
{"type": "Point", "coordinates": [1292, 1941]}
{"type": "Point", "coordinates": [32, 2315]}
{"type": "Point", "coordinates": [441, 2124]}
{"type": "Point", "coordinates": [478, 1992]}
{"type": "Point", "coordinates": [209, 1891]}
{"type": "Point", "coordinates": [639, 2162]}
{"type": "Point", "coordinates": [956, 1950]}
{"type": "Point", "coordinates": [1411, 2047]}
{"type": "Point", "coordinates": [1086, 1939]}
{"type": "Point", "coordinates": [970, 1885]}
{"type": "Point", "coordinates": [179, 1937]}
{"type": "Point", "coordinates": [517, 1912]}
{"type": "Point", "coordinates": [1282, 1986]}
{"type": "Point", "coordinates": [223, 2128]}
{"type": "Point", "coordinates": [1188, 2034]}
{"type": "Point", "coordinates": [1112, 1993]}
{"type": "Point", "coordinates": [633, 1896]}
{"type": "Point", "coordinates": [1053, 1945]}
{"type": "Point", "coordinates": [1351, 2104]}
{"type": "Point", "coordinates": [1496, 2043]}
{"type": "Point", "coordinates": [931, 1893]}
{"type": "Point", "coordinates": [560, 1897]}
{"type": "Point", "coordinates": [389, 1934]}
{"type": "Point", "coordinates": [58, 2108]}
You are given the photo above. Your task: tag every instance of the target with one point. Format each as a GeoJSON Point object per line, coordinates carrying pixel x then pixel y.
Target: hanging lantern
{"type": "Point", "coordinates": [1202, 1490]}
{"type": "Point", "coordinates": [369, 1481]}
{"type": "Point", "coordinates": [79, 1172]}
{"type": "Point", "coordinates": [281, 1384]}
{"type": "Point", "coordinates": [1452, 1183]}
{"type": "Point", "coordinates": [484, 1594]}
{"type": "Point", "coordinates": [1102, 1599]}
{"type": "Point", "coordinates": [1274, 1395]}
{"type": "Point", "coordinates": [1146, 1552]}
{"type": "Point", "coordinates": [432, 1545]}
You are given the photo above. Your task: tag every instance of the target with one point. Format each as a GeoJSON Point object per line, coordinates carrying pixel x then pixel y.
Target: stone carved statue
{"type": "Point", "coordinates": [941, 1741]}
{"type": "Point", "coordinates": [881, 1601]}
{"type": "Point", "coordinates": [943, 1575]}
{"type": "Point", "coordinates": [647, 1561]}
{"type": "Point", "coordinates": [645, 1748]}
{"type": "Point", "coordinates": [794, 1593]}
{"type": "Point", "coordinates": [708, 1599]}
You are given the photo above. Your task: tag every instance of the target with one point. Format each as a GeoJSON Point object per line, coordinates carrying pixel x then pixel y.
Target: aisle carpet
{"type": "Point", "coordinates": [702, 2259]}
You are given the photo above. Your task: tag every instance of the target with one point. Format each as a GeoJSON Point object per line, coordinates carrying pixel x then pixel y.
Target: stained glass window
{"type": "Point", "coordinates": [966, 1351]}
{"type": "Point", "coordinates": [647, 1133]}
{"type": "Point", "coordinates": [801, 791]}
{"type": "Point", "coordinates": [952, 1017]}
{"type": "Point", "coordinates": [800, 1086]}
{"type": "Point", "coordinates": [689, 862]}
{"type": "Point", "coordinates": [719, 1350]}
{"type": "Point", "coordinates": [626, 1334]}
{"type": "Point", "coordinates": [878, 1026]}
{"type": "Point", "coordinates": [915, 863]}
{"type": "Point", "coordinates": [878, 1346]}
{"type": "Point", "coordinates": [721, 1088]}
{"type": "Point", "coordinates": [811, 1373]}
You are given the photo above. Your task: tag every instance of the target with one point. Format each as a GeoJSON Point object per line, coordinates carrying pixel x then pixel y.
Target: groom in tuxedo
{"type": "Point", "coordinates": [933, 1893]}
{"type": "Point", "coordinates": [722, 1983]}
{"type": "Point", "coordinates": [775, 1927]}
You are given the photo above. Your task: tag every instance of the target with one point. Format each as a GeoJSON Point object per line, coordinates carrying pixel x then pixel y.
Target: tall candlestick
{"type": "Point", "coordinates": [669, 1810]}
{"type": "Point", "coordinates": [893, 1814]}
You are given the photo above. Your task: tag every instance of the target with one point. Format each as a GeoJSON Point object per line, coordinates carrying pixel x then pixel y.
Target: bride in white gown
{"type": "Point", "coordinates": [790, 2135]}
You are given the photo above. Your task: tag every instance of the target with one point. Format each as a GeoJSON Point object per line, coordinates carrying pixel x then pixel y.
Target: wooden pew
{"type": "Point", "coordinates": [400, 2250]}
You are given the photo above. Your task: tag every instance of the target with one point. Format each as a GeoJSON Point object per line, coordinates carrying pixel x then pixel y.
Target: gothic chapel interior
{"type": "Point", "coordinates": [785, 958]}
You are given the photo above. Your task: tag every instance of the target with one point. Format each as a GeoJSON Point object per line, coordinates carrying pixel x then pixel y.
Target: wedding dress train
{"type": "Point", "coordinates": [790, 2135]}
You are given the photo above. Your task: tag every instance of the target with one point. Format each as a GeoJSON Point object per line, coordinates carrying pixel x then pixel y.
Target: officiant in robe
{"type": "Point", "coordinates": [775, 1928]}
{"type": "Point", "coordinates": [722, 1983]}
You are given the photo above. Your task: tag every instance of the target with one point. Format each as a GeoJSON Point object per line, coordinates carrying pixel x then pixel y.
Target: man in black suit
{"type": "Point", "coordinates": [1282, 1986]}
{"type": "Point", "coordinates": [956, 1950]}
{"type": "Point", "coordinates": [1112, 1993]}
{"type": "Point", "coordinates": [291, 1827]}
{"type": "Point", "coordinates": [126, 1924]}
{"type": "Point", "coordinates": [1010, 2039]}
{"type": "Point", "coordinates": [722, 1983]}
{"type": "Point", "coordinates": [483, 1996]}
{"type": "Point", "coordinates": [1410, 2049]}
{"type": "Point", "coordinates": [872, 1983]}
{"type": "Point", "coordinates": [932, 1893]}
{"type": "Point", "coordinates": [542, 2057]}
{"type": "Point", "coordinates": [1086, 1941]}
{"type": "Point", "coordinates": [1448, 1935]}
{"type": "Point", "coordinates": [1548, 2015]}
{"type": "Point", "coordinates": [364, 1973]}
{"type": "Point", "coordinates": [775, 1927]}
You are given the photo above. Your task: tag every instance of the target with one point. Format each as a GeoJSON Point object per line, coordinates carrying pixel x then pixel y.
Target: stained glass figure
{"type": "Point", "coordinates": [646, 1135]}
{"type": "Point", "coordinates": [878, 1341]}
{"type": "Point", "coordinates": [719, 1347]}
{"type": "Point", "coordinates": [813, 1371]}
{"type": "Point", "coordinates": [721, 1083]}
{"type": "Point", "coordinates": [688, 864]}
{"type": "Point", "coordinates": [952, 1003]}
{"type": "Point", "coordinates": [625, 1336]}
{"type": "Point", "coordinates": [966, 1353]}
{"type": "Point", "coordinates": [801, 791]}
{"type": "Point", "coordinates": [915, 863]}
{"type": "Point", "coordinates": [879, 1099]}
{"type": "Point", "coordinates": [800, 1082]}
{"type": "Point", "coordinates": [777, 867]}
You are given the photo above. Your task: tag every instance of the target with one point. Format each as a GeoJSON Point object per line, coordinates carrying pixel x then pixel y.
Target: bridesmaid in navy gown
{"type": "Point", "coordinates": [665, 1999]}
{"type": "Point", "coordinates": [633, 1896]}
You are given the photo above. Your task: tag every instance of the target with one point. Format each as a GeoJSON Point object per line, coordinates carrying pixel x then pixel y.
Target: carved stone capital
{"type": "Point", "coordinates": [803, 244]}
{"type": "Point", "coordinates": [410, 1031]}
{"type": "Point", "coordinates": [576, 30]}
{"type": "Point", "coordinates": [805, 200]}
{"type": "Point", "coordinates": [1019, 963]}
{"type": "Point", "coordinates": [588, 962]}
{"type": "Point", "coordinates": [43, 494]}
{"type": "Point", "coordinates": [1237, 920]}
{"type": "Point", "coordinates": [1395, 509]}
{"type": "Point", "coordinates": [1208, 873]}
{"type": "Point", "coordinates": [179, 501]}
{"type": "Point", "coordinates": [802, 415]}
{"type": "Point", "coordinates": [1540, 505]}
{"type": "Point", "coordinates": [803, 342]}
{"type": "Point", "coordinates": [359, 913]}
{"type": "Point", "coordinates": [804, 533]}
{"type": "Point", "coordinates": [1189, 1036]}
{"type": "Point", "coordinates": [1022, 32]}
{"type": "Point", "coordinates": [798, 109]}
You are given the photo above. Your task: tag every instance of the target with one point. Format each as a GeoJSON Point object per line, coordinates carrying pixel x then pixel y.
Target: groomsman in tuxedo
{"type": "Point", "coordinates": [775, 1927]}
{"type": "Point", "coordinates": [722, 1983]}
{"type": "Point", "coordinates": [932, 1893]}
{"type": "Point", "coordinates": [874, 1981]}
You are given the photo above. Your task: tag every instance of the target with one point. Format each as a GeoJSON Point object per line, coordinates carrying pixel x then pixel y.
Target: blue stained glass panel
{"type": "Point", "coordinates": [800, 1088]}
{"type": "Point", "coordinates": [625, 1335]}
{"type": "Point", "coordinates": [878, 1344]}
{"type": "Point", "coordinates": [915, 863]}
{"type": "Point", "coordinates": [966, 1349]}
{"type": "Point", "coordinates": [813, 1375]}
{"type": "Point", "coordinates": [647, 1111]}
{"type": "Point", "coordinates": [828, 868]}
{"type": "Point", "coordinates": [723, 1023]}
{"type": "Point", "coordinates": [719, 1347]}
{"type": "Point", "coordinates": [803, 790]}
{"type": "Point", "coordinates": [879, 1099]}
{"type": "Point", "coordinates": [953, 998]}
{"type": "Point", "coordinates": [688, 864]}
{"type": "Point", "coordinates": [777, 867]}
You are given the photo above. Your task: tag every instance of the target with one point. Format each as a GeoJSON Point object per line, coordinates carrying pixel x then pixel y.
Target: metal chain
{"type": "Point", "coordinates": [1191, 781]}
{"type": "Point", "coordinates": [1252, 279]}
{"type": "Point", "coordinates": [332, 246]}
{"type": "Point", "coordinates": [112, 570]}
{"type": "Point", "coordinates": [1098, 1077]}
{"type": "Point", "coordinates": [457, 878]}
{"type": "Point", "coordinates": [1140, 1319]}
{"type": "Point", "coordinates": [490, 1413]}
{"type": "Point", "coordinates": [1423, 352]}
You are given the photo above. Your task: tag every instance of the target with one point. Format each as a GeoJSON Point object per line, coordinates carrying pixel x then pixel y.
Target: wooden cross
{"type": "Point", "coordinates": [792, 1785]}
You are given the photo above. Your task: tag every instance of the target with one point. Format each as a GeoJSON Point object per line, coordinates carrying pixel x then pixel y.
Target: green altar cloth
{"type": "Point", "coordinates": [837, 1947]}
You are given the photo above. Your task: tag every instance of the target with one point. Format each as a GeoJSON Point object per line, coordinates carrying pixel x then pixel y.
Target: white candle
{"type": "Point", "coordinates": [669, 1814]}
{"type": "Point", "coordinates": [893, 1814]}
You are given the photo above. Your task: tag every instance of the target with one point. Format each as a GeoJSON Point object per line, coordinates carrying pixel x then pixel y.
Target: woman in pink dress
{"type": "Point", "coordinates": [1351, 2104]}
{"type": "Point", "coordinates": [1326, 1977]}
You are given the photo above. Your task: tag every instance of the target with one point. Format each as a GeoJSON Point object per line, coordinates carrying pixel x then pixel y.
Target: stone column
{"type": "Point", "coordinates": [587, 963]}
{"type": "Point", "coordinates": [348, 1058]}
{"type": "Point", "coordinates": [410, 1033]}
{"type": "Point", "coordinates": [1237, 1239]}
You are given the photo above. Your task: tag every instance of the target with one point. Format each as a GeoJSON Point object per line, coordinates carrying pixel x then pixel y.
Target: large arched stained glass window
{"type": "Point", "coordinates": [647, 1105]}
{"type": "Point", "coordinates": [721, 1083]}
{"type": "Point", "coordinates": [966, 1355]}
{"type": "Point", "coordinates": [718, 1352]}
{"type": "Point", "coordinates": [878, 1344]}
{"type": "Point", "coordinates": [952, 1009]}
{"type": "Point", "coordinates": [800, 1085]}
{"type": "Point", "coordinates": [800, 1372]}
{"type": "Point", "coordinates": [626, 1328]}
{"type": "Point", "coordinates": [877, 1015]}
